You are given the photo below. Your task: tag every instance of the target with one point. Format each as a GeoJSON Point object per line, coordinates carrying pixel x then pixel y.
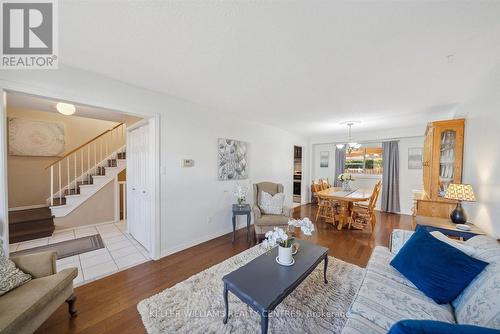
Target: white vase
{"type": "Point", "coordinates": [346, 186]}
{"type": "Point", "coordinates": [285, 255]}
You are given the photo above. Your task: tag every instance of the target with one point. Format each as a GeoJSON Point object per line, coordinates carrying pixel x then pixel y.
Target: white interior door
{"type": "Point", "coordinates": [140, 184]}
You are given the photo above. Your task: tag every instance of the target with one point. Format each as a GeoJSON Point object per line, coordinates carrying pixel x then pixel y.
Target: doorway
{"type": "Point", "coordinates": [297, 175]}
{"type": "Point", "coordinates": [95, 166]}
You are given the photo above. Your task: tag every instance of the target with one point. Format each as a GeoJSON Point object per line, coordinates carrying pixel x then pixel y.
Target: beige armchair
{"type": "Point", "coordinates": [265, 222]}
{"type": "Point", "coordinates": [25, 308]}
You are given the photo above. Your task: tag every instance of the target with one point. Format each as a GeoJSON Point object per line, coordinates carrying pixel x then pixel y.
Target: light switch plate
{"type": "Point", "coordinates": [187, 163]}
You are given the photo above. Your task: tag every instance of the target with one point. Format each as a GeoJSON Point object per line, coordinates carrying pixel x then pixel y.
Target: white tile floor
{"type": "Point", "coordinates": [121, 251]}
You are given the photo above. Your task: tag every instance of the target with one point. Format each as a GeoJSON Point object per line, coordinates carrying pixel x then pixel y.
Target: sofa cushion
{"type": "Point", "coordinates": [273, 220]}
{"type": "Point", "coordinates": [479, 303]}
{"type": "Point", "coordinates": [399, 238]}
{"type": "Point", "coordinates": [442, 277]}
{"type": "Point", "coordinates": [10, 276]}
{"type": "Point", "coordinates": [436, 327]}
{"type": "Point", "coordinates": [380, 263]}
{"type": "Point", "coordinates": [271, 204]}
{"type": "Point", "coordinates": [487, 248]}
{"type": "Point", "coordinates": [23, 303]}
{"type": "Point", "coordinates": [384, 301]}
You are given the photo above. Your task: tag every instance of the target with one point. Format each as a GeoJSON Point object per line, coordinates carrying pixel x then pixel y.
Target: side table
{"type": "Point", "coordinates": [242, 210]}
{"type": "Point", "coordinates": [446, 227]}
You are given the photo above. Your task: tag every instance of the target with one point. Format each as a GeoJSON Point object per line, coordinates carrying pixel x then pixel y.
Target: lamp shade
{"type": "Point", "coordinates": [460, 192]}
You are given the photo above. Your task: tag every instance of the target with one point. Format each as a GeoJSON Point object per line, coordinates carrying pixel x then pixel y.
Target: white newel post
{"type": "Point", "coordinates": [52, 185]}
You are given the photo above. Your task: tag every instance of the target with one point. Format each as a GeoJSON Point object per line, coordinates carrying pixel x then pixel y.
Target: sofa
{"type": "Point", "coordinates": [266, 222]}
{"type": "Point", "coordinates": [25, 308]}
{"type": "Point", "coordinates": [386, 297]}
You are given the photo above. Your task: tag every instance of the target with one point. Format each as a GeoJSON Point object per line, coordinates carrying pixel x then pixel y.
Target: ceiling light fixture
{"type": "Point", "coordinates": [66, 108]}
{"type": "Point", "coordinates": [351, 145]}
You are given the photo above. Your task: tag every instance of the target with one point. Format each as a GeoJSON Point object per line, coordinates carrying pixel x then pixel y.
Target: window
{"type": "Point", "coordinates": [365, 160]}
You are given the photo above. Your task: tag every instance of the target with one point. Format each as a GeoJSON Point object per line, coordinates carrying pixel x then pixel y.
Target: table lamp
{"type": "Point", "coordinates": [459, 192]}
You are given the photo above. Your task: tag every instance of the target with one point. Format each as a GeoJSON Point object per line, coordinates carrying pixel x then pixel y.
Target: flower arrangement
{"type": "Point", "coordinates": [240, 193]}
{"type": "Point", "coordinates": [285, 239]}
{"type": "Point", "coordinates": [346, 177]}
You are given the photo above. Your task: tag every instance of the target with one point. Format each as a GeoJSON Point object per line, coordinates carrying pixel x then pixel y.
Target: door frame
{"type": "Point", "coordinates": [8, 86]}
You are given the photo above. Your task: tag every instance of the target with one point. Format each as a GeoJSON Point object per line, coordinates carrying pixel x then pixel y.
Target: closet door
{"type": "Point", "coordinates": [140, 176]}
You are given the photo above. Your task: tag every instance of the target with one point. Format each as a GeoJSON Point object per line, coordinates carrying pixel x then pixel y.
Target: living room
{"type": "Point", "coordinates": [245, 82]}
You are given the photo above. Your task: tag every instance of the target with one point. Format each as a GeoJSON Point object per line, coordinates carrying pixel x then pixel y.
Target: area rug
{"type": "Point", "coordinates": [68, 248]}
{"type": "Point", "coordinates": [196, 304]}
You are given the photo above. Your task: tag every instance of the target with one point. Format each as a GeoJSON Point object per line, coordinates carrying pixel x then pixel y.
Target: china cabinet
{"type": "Point", "coordinates": [442, 165]}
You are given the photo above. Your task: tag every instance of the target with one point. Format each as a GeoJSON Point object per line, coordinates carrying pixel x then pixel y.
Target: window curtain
{"type": "Point", "coordinates": [339, 165]}
{"type": "Point", "coordinates": [390, 178]}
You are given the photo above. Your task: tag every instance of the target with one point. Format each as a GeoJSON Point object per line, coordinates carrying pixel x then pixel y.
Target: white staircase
{"type": "Point", "coordinates": [86, 170]}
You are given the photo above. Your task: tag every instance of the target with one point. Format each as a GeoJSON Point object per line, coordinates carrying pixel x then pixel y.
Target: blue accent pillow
{"type": "Point", "coordinates": [437, 327]}
{"type": "Point", "coordinates": [437, 269]}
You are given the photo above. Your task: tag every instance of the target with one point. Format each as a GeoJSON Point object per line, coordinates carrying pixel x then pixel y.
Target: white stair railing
{"type": "Point", "coordinates": [84, 162]}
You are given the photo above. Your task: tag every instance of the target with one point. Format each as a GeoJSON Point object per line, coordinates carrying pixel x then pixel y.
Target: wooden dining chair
{"type": "Point", "coordinates": [361, 215]}
{"type": "Point", "coordinates": [328, 209]}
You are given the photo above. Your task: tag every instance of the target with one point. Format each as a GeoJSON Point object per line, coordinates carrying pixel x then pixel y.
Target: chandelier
{"type": "Point", "coordinates": [351, 145]}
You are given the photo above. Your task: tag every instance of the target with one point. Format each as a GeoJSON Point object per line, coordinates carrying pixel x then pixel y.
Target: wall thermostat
{"type": "Point", "coordinates": [187, 163]}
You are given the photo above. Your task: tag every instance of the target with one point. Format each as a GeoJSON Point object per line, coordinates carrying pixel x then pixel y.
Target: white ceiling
{"type": "Point", "coordinates": [32, 102]}
{"type": "Point", "coordinates": [304, 66]}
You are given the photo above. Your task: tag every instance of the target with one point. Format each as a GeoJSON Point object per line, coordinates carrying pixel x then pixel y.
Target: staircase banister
{"type": "Point", "coordinates": [83, 145]}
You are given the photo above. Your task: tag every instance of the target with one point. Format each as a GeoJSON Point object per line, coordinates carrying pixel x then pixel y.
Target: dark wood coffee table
{"type": "Point", "coordinates": [263, 283]}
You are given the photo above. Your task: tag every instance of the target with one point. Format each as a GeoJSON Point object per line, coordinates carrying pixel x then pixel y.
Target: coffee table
{"type": "Point", "coordinates": [263, 283]}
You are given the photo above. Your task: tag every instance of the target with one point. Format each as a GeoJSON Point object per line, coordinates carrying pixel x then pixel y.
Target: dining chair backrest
{"type": "Point", "coordinates": [374, 196]}
{"type": "Point", "coordinates": [325, 183]}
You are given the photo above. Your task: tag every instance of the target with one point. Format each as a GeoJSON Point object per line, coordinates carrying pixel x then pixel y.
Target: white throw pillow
{"type": "Point", "coordinates": [479, 303]}
{"type": "Point", "coordinates": [271, 205]}
{"type": "Point", "coordinates": [458, 245]}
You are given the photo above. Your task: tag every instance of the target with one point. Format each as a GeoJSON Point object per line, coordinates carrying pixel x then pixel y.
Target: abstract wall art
{"type": "Point", "coordinates": [36, 138]}
{"type": "Point", "coordinates": [232, 159]}
{"type": "Point", "coordinates": [415, 157]}
{"type": "Point", "coordinates": [324, 157]}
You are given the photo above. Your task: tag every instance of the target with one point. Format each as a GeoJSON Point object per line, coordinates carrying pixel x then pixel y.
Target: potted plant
{"type": "Point", "coordinates": [241, 194]}
{"type": "Point", "coordinates": [285, 240]}
{"type": "Point", "coordinates": [346, 178]}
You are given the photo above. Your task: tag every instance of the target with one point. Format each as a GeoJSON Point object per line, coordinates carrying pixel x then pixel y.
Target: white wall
{"type": "Point", "coordinates": [482, 154]}
{"type": "Point", "coordinates": [409, 179]}
{"type": "Point", "coordinates": [190, 197]}
{"type": "Point", "coordinates": [197, 203]}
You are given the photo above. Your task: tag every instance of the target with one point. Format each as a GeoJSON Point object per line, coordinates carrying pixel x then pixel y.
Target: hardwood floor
{"type": "Point", "coordinates": [108, 305]}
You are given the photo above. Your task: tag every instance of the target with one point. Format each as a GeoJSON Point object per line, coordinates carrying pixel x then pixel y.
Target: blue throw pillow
{"type": "Point", "coordinates": [437, 327]}
{"type": "Point", "coordinates": [437, 269]}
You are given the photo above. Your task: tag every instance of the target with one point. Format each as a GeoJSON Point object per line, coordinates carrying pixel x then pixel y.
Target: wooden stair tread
{"type": "Point", "coordinates": [30, 224]}
{"type": "Point", "coordinates": [35, 229]}
{"type": "Point", "coordinates": [22, 216]}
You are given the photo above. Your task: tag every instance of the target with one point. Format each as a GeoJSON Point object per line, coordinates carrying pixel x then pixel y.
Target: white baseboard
{"type": "Point", "coordinates": [36, 206]}
{"type": "Point", "coordinates": [207, 237]}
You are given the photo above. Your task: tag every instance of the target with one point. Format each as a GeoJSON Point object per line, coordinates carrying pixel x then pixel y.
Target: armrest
{"type": "Point", "coordinates": [256, 212]}
{"type": "Point", "coordinates": [37, 265]}
{"type": "Point", "coordinates": [287, 211]}
{"type": "Point", "coordinates": [398, 239]}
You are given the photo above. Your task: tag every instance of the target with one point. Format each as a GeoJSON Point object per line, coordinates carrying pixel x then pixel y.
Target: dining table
{"type": "Point", "coordinates": [346, 200]}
